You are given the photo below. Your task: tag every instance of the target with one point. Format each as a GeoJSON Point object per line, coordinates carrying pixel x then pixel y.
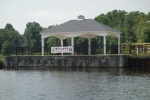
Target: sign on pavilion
{"type": "Point", "coordinates": [85, 28]}
{"type": "Point", "coordinates": [66, 49]}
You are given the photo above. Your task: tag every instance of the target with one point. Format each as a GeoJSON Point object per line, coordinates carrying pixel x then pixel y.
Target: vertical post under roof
{"type": "Point", "coordinates": [89, 46]}
{"type": "Point", "coordinates": [61, 45]}
{"type": "Point", "coordinates": [119, 44]}
{"type": "Point", "coordinates": [104, 41]}
{"type": "Point", "coordinates": [72, 43]}
{"type": "Point", "coordinates": [42, 46]}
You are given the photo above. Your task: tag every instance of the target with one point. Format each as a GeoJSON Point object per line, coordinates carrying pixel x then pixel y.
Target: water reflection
{"type": "Point", "coordinates": [75, 84]}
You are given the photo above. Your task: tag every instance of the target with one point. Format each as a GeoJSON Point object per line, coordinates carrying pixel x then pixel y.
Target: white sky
{"type": "Point", "coordinates": [52, 12]}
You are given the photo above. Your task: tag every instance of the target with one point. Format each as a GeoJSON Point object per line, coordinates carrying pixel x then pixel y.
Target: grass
{"type": "Point", "coordinates": [143, 55]}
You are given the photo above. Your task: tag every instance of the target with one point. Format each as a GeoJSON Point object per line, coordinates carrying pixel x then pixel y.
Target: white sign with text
{"type": "Point", "coordinates": [66, 49]}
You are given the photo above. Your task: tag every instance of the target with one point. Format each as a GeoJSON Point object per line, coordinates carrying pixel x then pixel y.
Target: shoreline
{"type": "Point", "coordinates": [77, 61]}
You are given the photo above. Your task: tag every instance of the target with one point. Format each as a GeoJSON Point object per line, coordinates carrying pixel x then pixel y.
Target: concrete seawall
{"type": "Point", "coordinates": [65, 61]}
{"type": "Point", "coordinates": [139, 61]}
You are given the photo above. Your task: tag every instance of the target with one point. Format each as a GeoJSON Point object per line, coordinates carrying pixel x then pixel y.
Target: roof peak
{"type": "Point", "coordinates": [81, 17]}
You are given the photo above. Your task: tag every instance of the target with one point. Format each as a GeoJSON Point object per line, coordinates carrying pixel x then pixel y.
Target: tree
{"type": "Point", "coordinates": [11, 35]}
{"type": "Point", "coordinates": [32, 34]}
{"type": "Point", "coordinates": [3, 37]}
{"type": "Point", "coordinates": [53, 41]}
{"type": "Point", "coordinates": [143, 29]}
{"type": "Point", "coordinates": [132, 25]}
{"type": "Point", "coordinates": [17, 40]}
{"type": "Point", "coordinates": [6, 48]}
{"type": "Point", "coordinates": [114, 19]}
{"type": "Point", "coordinates": [9, 27]}
{"type": "Point", "coordinates": [81, 45]}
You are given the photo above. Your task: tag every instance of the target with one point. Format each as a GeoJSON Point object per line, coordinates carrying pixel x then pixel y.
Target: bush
{"type": "Point", "coordinates": [6, 48]}
{"type": "Point", "coordinates": [1, 65]}
{"type": "Point", "coordinates": [134, 52]}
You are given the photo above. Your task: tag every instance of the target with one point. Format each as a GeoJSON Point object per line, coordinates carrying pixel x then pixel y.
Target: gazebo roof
{"type": "Point", "coordinates": [85, 25]}
{"type": "Point", "coordinates": [86, 28]}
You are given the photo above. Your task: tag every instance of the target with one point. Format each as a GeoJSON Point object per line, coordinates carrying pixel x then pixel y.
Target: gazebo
{"type": "Point", "coordinates": [86, 28]}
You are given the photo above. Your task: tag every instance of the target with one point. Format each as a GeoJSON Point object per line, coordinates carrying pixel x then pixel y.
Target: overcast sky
{"type": "Point", "coordinates": [52, 12]}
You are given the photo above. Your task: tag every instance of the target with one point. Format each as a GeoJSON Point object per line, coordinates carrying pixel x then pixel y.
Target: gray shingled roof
{"type": "Point", "coordinates": [86, 25]}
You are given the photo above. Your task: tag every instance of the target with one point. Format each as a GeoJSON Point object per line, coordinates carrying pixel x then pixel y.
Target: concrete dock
{"type": "Point", "coordinates": [78, 61]}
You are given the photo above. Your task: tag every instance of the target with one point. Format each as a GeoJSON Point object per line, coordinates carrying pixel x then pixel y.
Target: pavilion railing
{"type": "Point", "coordinates": [110, 49]}
{"type": "Point", "coordinates": [28, 51]}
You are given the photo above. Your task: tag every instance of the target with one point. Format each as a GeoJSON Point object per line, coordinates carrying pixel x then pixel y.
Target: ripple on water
{"type": "Point", "coordinates": [101, 84]}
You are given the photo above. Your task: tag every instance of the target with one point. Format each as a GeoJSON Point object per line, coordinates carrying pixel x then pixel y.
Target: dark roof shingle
{"type": "Point", "coordinates": [86, 25]}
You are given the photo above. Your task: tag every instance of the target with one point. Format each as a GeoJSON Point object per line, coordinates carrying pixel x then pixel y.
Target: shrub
{"type": "Point", "coordinates": [6, 48]}
{"type": "Point", "coordinates": [134, 52]}
{"type": "Point", "coordinates": [1, 65]}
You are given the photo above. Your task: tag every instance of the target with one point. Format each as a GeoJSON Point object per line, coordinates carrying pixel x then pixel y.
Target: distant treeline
{"type": "Point", "coordinates": [134, 27]}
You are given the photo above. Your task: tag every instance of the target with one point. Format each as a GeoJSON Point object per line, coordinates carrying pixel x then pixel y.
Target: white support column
{"type": "Point", "coordinates": [89, 46]}
{"type": "Point", "coordinates": [119, 45]}
{"type": "Point", "coordinates": [72, 43]}
{"type": "Point", "coordinates": [137, 50]}
{"type": "Point", "coordinates": [104, 40]}
{"type": "Point", "coordinates": [62, 45]}
{"type": "Point", "coordinates": [42, 46]}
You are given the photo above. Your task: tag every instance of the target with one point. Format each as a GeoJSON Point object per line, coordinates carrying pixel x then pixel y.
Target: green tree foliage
{"type": "Point", "coordinates": [9, 27]}
{"type": "Point", "coordinates": [53, 41]}
{"type": "Point", "coordinates": [133, 26]}
{"type": "Point", "coordinates": [6, 48]}
{"type": "Point", "coordinates": [3, 37]}
{"type": "Point", "coordinates": [32, 34]}
{"type": "Point", "coordinates": [81, 45]}
{"type": "Point", "coordinates": [114, 19]}
{"type": "Point", "coordinates": [11, 35]}
{"type": "Point", "coordinates": [143, 30]}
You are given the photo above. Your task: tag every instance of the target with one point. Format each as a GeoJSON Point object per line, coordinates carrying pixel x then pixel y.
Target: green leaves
{"type": "Point", "coordinates": [52, 42]}
{"type": "Point", "coordinates": [133, 26]}
{"type": "Point", "coordinates": [32, 34]}
{"type": "Point", "coordinates": [9, 27]}
{"type": "Point", "coordinates": [6, 48]}
{"type": "Point", "coordinates": [10, 35]}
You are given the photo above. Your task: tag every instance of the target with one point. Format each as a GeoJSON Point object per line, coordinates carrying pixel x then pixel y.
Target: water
{"type": "Point", "coordinates": [79, 84]}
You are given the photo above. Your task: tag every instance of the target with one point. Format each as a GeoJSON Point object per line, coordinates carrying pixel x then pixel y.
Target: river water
{"type": "Point", "coordinates": [75, 84]}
